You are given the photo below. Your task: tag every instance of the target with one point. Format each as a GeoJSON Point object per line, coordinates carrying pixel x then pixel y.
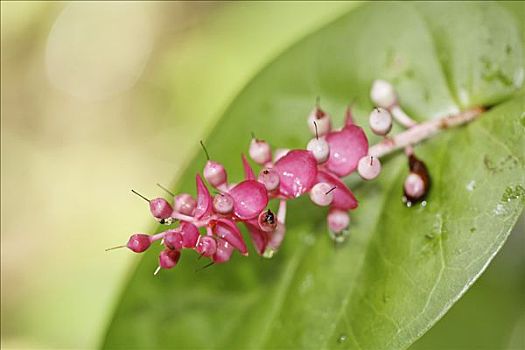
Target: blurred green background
{"type": "Point", "coordinates": [98, 98]}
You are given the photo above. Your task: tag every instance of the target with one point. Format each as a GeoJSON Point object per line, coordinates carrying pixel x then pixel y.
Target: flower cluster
{"type": "Point", "coordinates": [317, 170]}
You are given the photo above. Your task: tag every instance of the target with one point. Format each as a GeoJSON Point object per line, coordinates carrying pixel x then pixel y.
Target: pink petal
{"type": "Point", "coordinates": [190, 234]}
{"type": "Point", "coordinates": [228, 231]}
{"type": "Point", "coordinates": [248, 172]}
{"type": "Point", "coordinates": [259, 237]}
{"type": "Point", "coordinates": [343, 198]}
{"type": "Point", "coordinates": [297, 172]}
{"type": "Point", "coordinates": [203, 199]}
{"type": "Point", "coordinates": [346, 148]}
{"type": "Point", "coordinates": [249, 199]}
{"type": "Point", "coordinates": [223, 253]}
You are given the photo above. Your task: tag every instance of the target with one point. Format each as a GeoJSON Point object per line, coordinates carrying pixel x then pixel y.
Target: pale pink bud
{"type": "Point", "coordinates": [319, 148]}
{"type": "Point", "coordinates": [215, 173]}
{"type": "Point", "coordinates": [322, 194]}
{"type": "Point", "coordinates": [185, 204]}
{"type": "Point", "coordinates": [369, 167]}
{"type": "Point", "coordinates": [380, 121]}
{"type": "Point", "coordinates": [383, 94]}
{"type": "Point", "coordinates": [168, 258]}
{"type": "Point", "coordinates": [206, 246]}
{"type": "Point", "coordinates": [222, 203]}
{"type": "Point", "coordinates": [160, 208]}
{"type": "Point", "coordinates": [223, 253]}
{"type": "Point", "coordinates": [139, 242]}
{"type": "Point", "coordinates": [260, 151]}
{"type": "Point", "coordinates": [321, 119]}
{"type": "Point", "coordinates": [414, 186]}
{"type": "Point", "coordinates": [338, 220]}
{"type": "Point", "coordinates": [269, 178]}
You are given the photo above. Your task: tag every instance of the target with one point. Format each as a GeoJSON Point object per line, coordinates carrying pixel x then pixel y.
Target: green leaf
{"type": "Point", "coordinates": [402, 268]}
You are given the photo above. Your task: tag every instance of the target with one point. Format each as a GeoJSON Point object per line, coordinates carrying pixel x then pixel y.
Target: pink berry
{"type": "Point", "coordinates": [185, 204]}
{"type": "Point", "coordinates": [173, 239]}
{"type": "Point", "coordinates": [260, 151]}
{"type": "Point", "coordinates": [270, 179]}
{"type": "Point", "coordinates": [168, 258]}
{"type": "Point", "coordinates": [319, 148]}
{"type": "Point", "coordinates": [215, 173]}
{"type": "Point", "coordinates": [267, 221]}
{"type": "Point", "coordinates": [322, 194]}
{"type": "Point", "coordinates": [139, 242]}
{"type": "Point", "coordinates": [383, 94]}
{"type": "Point", "coordinates": [369, 167]}
{"type": "Point", "coordinates": [222, 203]}
{"type": "Point", "coordinates": [322, 121]}
{"type": "Point", "coordinates": [160, 208]}
{"type": "Point", "coordinates": [338, 220]}
{"type": "Point", "coordinates": [206, 246]}
{"type": "Point", "coordinates": [190, 234]}
{"type": "Point", "coordinates": [380, 121]}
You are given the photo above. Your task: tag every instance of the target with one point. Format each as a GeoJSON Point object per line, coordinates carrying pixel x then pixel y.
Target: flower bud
{"type": "Point", "coordinates": [173, 239]}
{"type": "Point", "coordinates": [168, 258]}
{"type": "Point", "coordinates": [322, 194]}
{"type": "Point", "coordinates": [206, 246]}
{"type": "Point", "coordinates": [160, 208]}
{"type": "Point", "coordinates": [380, 121]}
{"type": "Point", "coordinates": [260, 151]}
{"type": "Point", "coordinates": [322, 120]}
{"type": "Point", "coordinates": [417, 183]}
{"type": "Point", "coordinates": [383, 94]}
{"type": "Point", "coordinates": [222, 203]}
{"type": "Point", "coordinates": [369, 167]}
{"type": "Point", "coordinates": [338, 220]}
{"type": "Point", "coordinates": [185, 204]}
{"type": "Point", "coordinates": [139, 242]}
{"type": "Point", "coordinates": [319, 148]}
{"type": "Point", "coordinates": [215, 173]}
{"type": "Point", "coordinates": [270, 179]}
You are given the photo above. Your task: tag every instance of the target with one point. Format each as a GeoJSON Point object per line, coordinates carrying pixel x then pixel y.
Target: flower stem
{"type": "Point", "coordinates": [423, 131]}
